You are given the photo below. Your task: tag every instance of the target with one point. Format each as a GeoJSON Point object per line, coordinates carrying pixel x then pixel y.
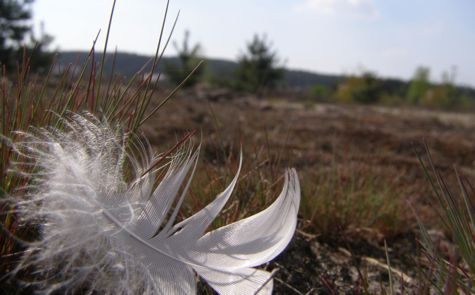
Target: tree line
{"type": "Point", "coordinates": [259, 71]}
{"type": "Point", "coordinates": [368, 88]}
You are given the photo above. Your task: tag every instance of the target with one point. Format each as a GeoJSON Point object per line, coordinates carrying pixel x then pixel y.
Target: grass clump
{"type": "Point", "coordinates": [343, 202]}
{"type": "Point", "coordinates": [452, 272]}
{"type": "Point", "coordinates": [29, 101]}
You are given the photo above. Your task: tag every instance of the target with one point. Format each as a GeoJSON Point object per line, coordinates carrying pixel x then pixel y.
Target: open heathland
{"type": "Point", "coordinates": [362, 182]}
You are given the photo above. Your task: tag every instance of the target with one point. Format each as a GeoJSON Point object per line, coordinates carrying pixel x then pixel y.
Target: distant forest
{"type": "Point", "coordinates": [128, 64]}
{"type": "Point", "coordinates": [352, 88]}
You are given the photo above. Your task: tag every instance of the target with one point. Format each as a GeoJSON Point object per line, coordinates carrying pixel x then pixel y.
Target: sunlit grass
{"type": "Point", "coordinates": [29, 101]}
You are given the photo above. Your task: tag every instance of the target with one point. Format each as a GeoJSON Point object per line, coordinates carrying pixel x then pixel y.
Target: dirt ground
{"type": "Point", "coordinates": [311, 137]}
{"type": "Point", "coordinates": [385, 141]}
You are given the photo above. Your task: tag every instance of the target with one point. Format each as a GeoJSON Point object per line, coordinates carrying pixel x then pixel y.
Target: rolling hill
{"type": "Point", "coordinates": [222, 70]}
{"type": "Point", "coordinates": [128, 64]}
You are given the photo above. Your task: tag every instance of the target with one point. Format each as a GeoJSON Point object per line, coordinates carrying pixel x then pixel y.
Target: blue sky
{"type": "Point", "coordinates": [389, 37]}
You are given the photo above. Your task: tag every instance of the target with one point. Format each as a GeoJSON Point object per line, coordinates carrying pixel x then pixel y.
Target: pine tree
{"type": "Point", "coordinates": [258, 68]}
{"type": "Point", "coordinates": [16, 34]}
{"type": "Point", "coordinates": [187, 60]}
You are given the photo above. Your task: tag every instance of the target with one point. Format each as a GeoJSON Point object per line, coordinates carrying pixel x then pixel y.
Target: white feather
{"type": "Point", "coordinates": [101, 233]}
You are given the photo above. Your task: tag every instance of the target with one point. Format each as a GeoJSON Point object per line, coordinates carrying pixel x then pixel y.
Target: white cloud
{"type": "Point", "coordinates": [360, 8]}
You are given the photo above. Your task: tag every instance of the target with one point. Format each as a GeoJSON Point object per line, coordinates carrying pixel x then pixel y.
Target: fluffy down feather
{"type": "Point", "coordinates": [106, 227]}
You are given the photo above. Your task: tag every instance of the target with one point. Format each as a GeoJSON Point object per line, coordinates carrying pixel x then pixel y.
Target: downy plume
{"type": "Point", "coordinates": [105, 226]}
